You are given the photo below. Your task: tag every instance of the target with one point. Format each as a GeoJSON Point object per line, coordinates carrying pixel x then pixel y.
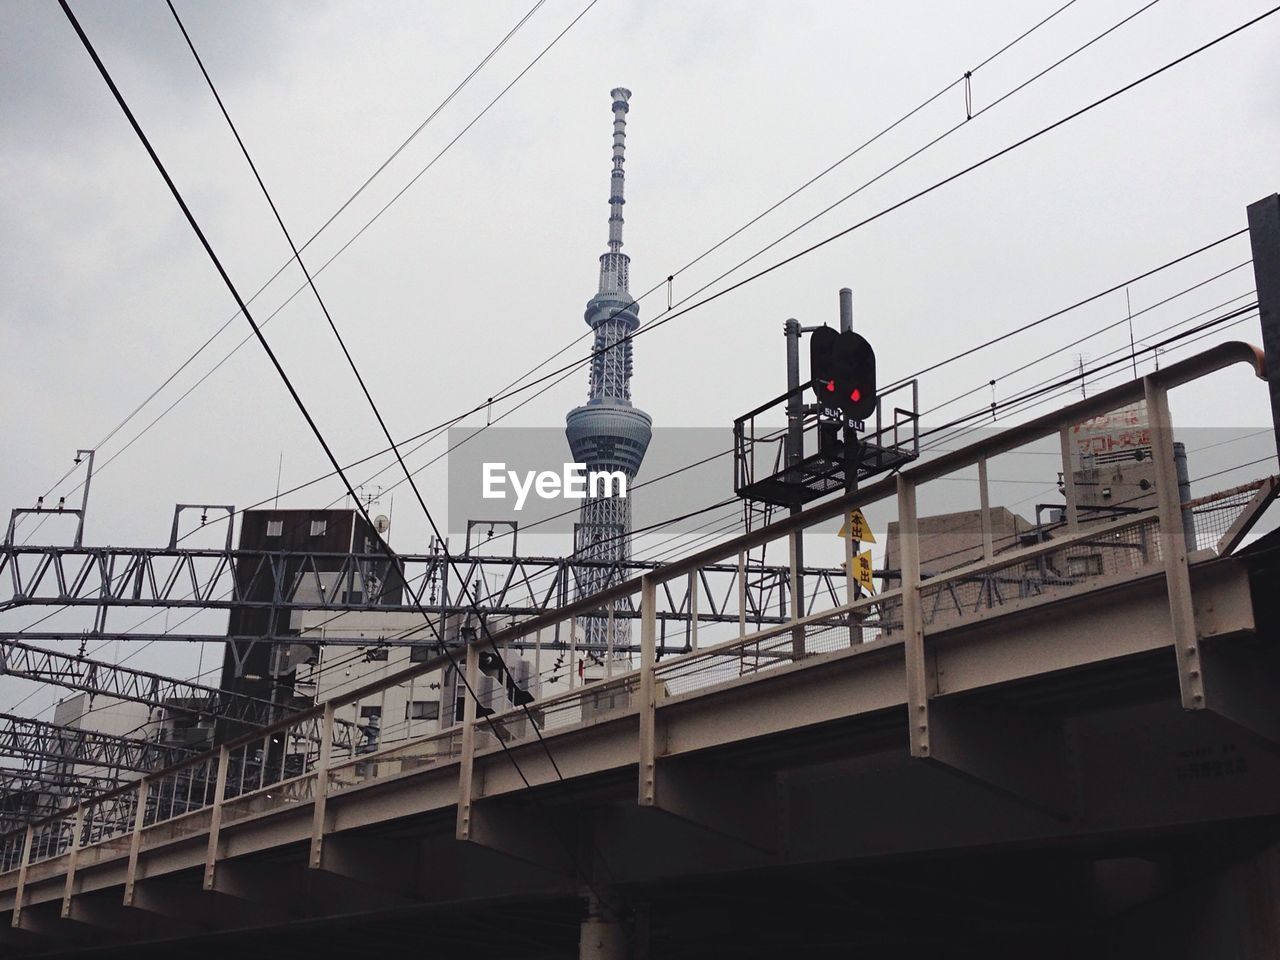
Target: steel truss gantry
{"type": "Point", "coordinates": [41, 743]}
{"type": "Point", "coordinates": [514, 586]}
{"type": "Point", "coordinates": [158, 692]}
{"type": "Point", "coordinates": [15, 781]}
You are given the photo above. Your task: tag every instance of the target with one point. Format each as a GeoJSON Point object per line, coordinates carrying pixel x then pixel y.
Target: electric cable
{"type": "Point", "coordinates": [1053, 315]}
{"type": "Point", "coordinates": [349, 242]}
{"type": "Point", "coordinates": [1053, 390]}
{"type": "Point", "coordinates": [672, 315]}
{"type": "Point", "coordinates": [302, 408]}
{"type": "Point", "coordinates": [672, 473]}
{"type": "Point", "coordinates": [1070, 385]}
{"type": "Point", "coordinates": [297, 255]}
{"type": "Point", "coordinates": [1097, 332]}
{"type": "Point", "coordinates": [30, 626]}
{"type": "Point", "coordinates": [345, 204]}
{"type": "Point", "coordinates": [1109, 353]}
{"type": "Point", "coordinates": [1074, 379]}
{"type": "Point", "coordinates": [733, 234]}
{"type": "Point", "coordinates": [1206, 46]}
{"type": "Point", "coordinates": [831, 207]}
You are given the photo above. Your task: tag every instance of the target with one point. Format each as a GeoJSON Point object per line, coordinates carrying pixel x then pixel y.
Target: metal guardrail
{"type": "Point", "coordinates": [760, 471]}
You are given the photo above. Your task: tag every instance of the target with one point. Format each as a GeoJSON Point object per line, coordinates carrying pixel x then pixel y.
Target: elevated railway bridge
{"type": "Point", "coordinates": [1024, 755]}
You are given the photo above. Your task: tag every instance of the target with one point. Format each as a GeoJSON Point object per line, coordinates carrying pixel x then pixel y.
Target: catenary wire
{"type": "Point", "coordinates": [832, 206]}
{"type": "Point", "coordinates": [885, 211]}
{"type": "Point", "coordinates": [435, 430]}
{"type": "Point", "coordinates": [348, 243]}
{"type": "Point", "coordinates": [1205, 47]}
{"type": "Point", "coordinates": [382, 424]}
{"type": "Point", "coordinates": [302, 408]}
{"type": "Point", "coordinates": [1073, 381]}
{"type": "Point", "coordinates": [345, 204]}
{"type": "Point", "coordinates": [736, 232]}
{"type": "Point", "coordinates": [652, 480]}
{"type": "Point", "coordinates": [1096, 332]}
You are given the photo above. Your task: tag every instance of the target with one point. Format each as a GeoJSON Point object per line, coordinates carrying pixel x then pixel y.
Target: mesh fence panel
{"type": "Point", "coordinates": [776, 647]}
{"type": "Point", "coordinates": [595, 701]}
{"type": "Point", "coordinates": [1214, 515]}
{"type": "Point", "coordinates": [416, 754]}
{"type": "Point", "coordinates": [1106, 555]}
{"type": "Point", "coordinates": [280, 794]}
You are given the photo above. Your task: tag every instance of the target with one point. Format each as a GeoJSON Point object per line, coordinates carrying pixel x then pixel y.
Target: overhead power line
{"type": "Point", "coordinates": [1008, 46]}
{"type": "Point", "coordinates": [762, 250]}
{"type": "Point", "coordinates": [562, 372]}
{"type": "Point", "coordinates": [231, 287]}
{"type": "Point", "coordinates": [885, 211]}
{"type": "Point", "coordinates": [1148, 76]}
{"type": "Point", "coordinates": [345, 204]}
{"type": "Point", "coordinates": [315, 235]}
{"type": "Point", "coordinates": [1075, 379]}
{"type": "Point", "coordinates": [1089, 336]}
{"type": "Point", "coordinates": [364, 387]}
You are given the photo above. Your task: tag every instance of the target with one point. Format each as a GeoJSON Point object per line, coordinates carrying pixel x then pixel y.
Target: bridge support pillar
{"type": "Point", "coordinates": [605, 934]}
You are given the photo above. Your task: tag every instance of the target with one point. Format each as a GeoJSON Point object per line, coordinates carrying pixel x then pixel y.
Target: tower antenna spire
{"type": "Point", "coordinates": [608, 433]}
{"type": "Point", "coordinates": [617, 194]}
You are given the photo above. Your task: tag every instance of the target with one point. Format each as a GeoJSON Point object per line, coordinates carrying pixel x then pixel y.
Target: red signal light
{"type": "Point", "coordinates": [856, 396]}
{"type": "Point", "coordinates": [831, 386]}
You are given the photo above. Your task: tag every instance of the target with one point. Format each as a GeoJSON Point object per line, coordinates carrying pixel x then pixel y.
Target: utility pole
{"type": "Point", "coordinates": [1264, 237]}
{"type": "Point", "coordinates": [795, 444]}
{"type": "Point", "coordinates": [794, 448]}
{"type": "Point", "coordinates": [852, 547]}
{"type": "Point", "coordinates": [795, 405]}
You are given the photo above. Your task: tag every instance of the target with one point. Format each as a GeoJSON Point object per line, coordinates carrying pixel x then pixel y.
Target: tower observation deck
{"type": "Point", "coordinates": [608, 433]}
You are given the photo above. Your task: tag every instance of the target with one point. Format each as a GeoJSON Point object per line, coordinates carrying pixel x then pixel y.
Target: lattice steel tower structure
{"type": "Point", "coordinates": [608, 433]}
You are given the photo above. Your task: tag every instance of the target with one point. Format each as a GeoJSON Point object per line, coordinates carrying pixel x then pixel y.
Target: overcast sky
{"type": "Point", "coordinates": [482, 268]}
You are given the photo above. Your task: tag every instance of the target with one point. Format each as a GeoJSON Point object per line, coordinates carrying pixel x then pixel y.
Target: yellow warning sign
{"type": "Point", "coordinates": [862, 571]}
{"type": "Point", "coordinates": [857, 524]}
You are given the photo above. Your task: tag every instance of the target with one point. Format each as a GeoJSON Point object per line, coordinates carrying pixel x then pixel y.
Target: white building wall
{"type": "Point", "coordinates": [102, 714]}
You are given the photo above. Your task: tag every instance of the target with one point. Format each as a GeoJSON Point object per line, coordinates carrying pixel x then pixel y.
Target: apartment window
{"type": "Point", "coordinates": [318, 527]}
{"type": "Point", "coordinates": [370, 713]}
{"type": "Point", "coordinates": [422, 710]}
{"type": "Point", "coordinates": [275, 528]}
